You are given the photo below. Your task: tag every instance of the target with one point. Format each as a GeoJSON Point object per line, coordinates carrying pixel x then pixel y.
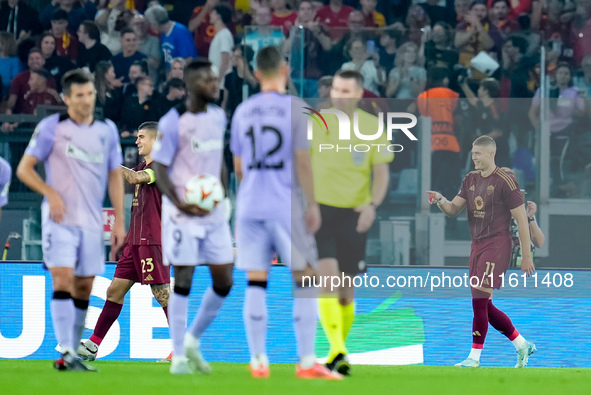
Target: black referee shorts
{"type": "Point", "coordinates": [338, 238]}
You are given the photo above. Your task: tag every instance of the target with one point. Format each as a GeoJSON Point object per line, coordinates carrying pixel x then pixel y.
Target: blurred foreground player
{"type": "Point", "coordinates": [5, 177]}
{"type": "Point", "coordinates": [82, 157]}
{"type": "Point", "coordinates": [492, 197]}
{"type": "Point", "coordinates": [272, 162]}
{"type": "Point", "coordinates": [141, 261]}
{"type": "Point", "coordinates": [190, 142]}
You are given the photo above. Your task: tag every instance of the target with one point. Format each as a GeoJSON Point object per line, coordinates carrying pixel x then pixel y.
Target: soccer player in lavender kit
{"type": "Point", "coordinates": [82, 157]}
{"type": "Point", "coordinates": [5, 176]}
{"type": "Point", "coordinates": [272, 161]}
{"type": "Point", "coordinates": [141, 260]}
{"type": "Point", "coordinates": [190, 142]}
{"type": "Point", "coordinates": [492, 197]}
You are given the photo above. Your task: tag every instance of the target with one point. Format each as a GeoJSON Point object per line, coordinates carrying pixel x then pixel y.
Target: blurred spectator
{"type": "Point", "coordinates": [439, 51]}
{"type": "Point", "coordinates": [111, 21]}
{"type": "Point", "coordinates": [91, 51]}
{"type": "Point", "coordinates": [513, 52]}
{"type": "Point", "coordinates": [39, 94]}
{"type": "Point", "coordinates": [554, 27]}
{"type": "Point", "coordinates": [499, 16]}
{"type": "Point", "coordinates": [338, 55]}
{"type": "Point", "coordinates": [20, 83]}
{"type": "Point", "coordinates": [18, 19]}
{"type": "Point", "coordinates": [177, 69]}
{"type": "Point", "coordinates": [417, 21]}
{"type": "Point", "coordinates": [123, 61]}
{"type": "Point", "coordinates": [335, 16]}
{"type": "Point", "coordinates": [202, 28]}
{"type": "Point", "coordinates": [75, 15]}
{"type": "Point", "coordinates": [174, 93]}
{"type": "Point", "coordinates": [488, 119]}
{"type": "Point", "coordinates": [324, 87]}
{"type": "Point", "coordinates": [262, 35]}
{"type": "Point", "coordinates": [176, 40]}
{"type": "Point", "coordinates": [10, 65]}
{"type": "Point", "coordinates": [476, 34]}
{"type": "Point", "coordinates": [565, 106]}
{"type": "Point", "coordinates": [462, 8]}
{"type": "Point", "coordinates": [407, 80]}
{"type": "Point", "coordinates": [515, 9]}
{"type": "Point", "coordinates": [220, 51]}
{"type": "Point", "coordinates": [437, 13]}
{"type": "Point", "coordinates": [373, 74]}
{"type": "Point", "coordinates": [54, 63]}
{"type": "Point", "coordinates": [241, 75]}
{"type": "Point", "coordinates": [389, 40]}
{"type": "Point", "coordinates": [317, 4]}
{"type": "Point", "coordinates": [282, 16]}
{"type": "Point", "coordinates": [148, 45]}
{"type": "Point", "coordinates": [372, 17]}
{"type": "Point", "coordinates": [583, 78]}
{"type": "Point", "coordinates": [66, 43]}
{"type": "Point", "coordinates": [108, 92]}
{"type": "Point", "coordinates": [139, 69]}
{"type": "Point", "coordinates": [310, 39]}
{"type": "Point", "coordinates": [138, 108]}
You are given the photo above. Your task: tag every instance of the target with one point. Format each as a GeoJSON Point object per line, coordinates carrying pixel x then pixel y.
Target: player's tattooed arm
{"type": "Point", "coordinates": [137, 177]}
{"type": "Point", "coordinates": [161, 292]}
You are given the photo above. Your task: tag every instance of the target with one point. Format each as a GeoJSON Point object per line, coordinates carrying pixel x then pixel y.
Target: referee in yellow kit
{"type": "Point", "coordinates": [349, 185]}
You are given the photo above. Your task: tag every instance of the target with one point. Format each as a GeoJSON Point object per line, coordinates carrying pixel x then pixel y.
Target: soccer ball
{"type": "Point", "coordinates": [205, 191]}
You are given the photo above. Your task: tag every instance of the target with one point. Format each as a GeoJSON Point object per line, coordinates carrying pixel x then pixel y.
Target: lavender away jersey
{"type": "Point", "coordinates": [5, 176]}
{"type": "Point", "coordinates": [267, 130]}
{"type": "Point", "coordinates": [192, 144]}
{"type": "Point", "coordinates": [77, 161]}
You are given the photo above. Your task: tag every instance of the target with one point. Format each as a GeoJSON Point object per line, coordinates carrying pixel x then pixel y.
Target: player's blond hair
{"type": "Point", "coordinates": [485, 141]}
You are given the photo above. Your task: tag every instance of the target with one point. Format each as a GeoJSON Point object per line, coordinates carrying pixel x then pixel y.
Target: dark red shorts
{"type": "Point", "coordinates": [142, 264]}
{"type": "Point", "coordinates": [489, 260]}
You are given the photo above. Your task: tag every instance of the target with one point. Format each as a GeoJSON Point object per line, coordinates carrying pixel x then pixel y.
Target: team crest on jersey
{"type": "Point", "coordinates": [472, 188]}
{"type": "Point", "coordinates": [358, 157]}
{"type": "Point", "coordinates": [479, 202]}
{"type": "Point", "coordinates": [490, 189]}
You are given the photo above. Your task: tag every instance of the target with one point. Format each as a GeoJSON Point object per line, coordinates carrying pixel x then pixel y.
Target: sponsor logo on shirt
{"type": "Point", "coordinates": [479, 202]}
{"type": "Point", "coordinates": [209, 145]}
{"type": "Point", "coordinates": [74, 152]}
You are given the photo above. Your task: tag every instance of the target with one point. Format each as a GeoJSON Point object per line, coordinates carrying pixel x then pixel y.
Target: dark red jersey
{"type": "Point", "coordinates": [489, 202]}
{"type": "Point", "coordinates": [146, 209]}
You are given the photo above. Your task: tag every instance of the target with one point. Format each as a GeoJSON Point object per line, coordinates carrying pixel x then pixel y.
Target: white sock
{"type": "Point", "coordinates": [308, 361]}
{"type": "Point", "coordinates": [475, 354]}
{"type": "Point", "coordinates": [259, 360]}
{"type": "Point", "coordinates": [519, 342]}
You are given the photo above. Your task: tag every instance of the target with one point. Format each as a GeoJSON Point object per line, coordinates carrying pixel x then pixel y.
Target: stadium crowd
{"type": "Point", "coordinates": [405, 50]}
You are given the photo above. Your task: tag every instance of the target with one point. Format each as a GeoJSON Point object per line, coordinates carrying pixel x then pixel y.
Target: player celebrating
{"type": "Point", "coordinates": [272, 159]}
{"type": "Point", "coordinates": [190, 143]}
{"type": "Point", "coordinates": [82, 157]}
{"type": "Point", "coordinates": [141, 260]}
{"type": "Point", "coordinates": [492, 197]}
{"type": "Point", "coordinates": [349, 187]}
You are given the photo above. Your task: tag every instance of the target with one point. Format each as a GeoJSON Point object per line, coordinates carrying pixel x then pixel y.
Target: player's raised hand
{"type": "Point", "coordinates": [527, 265]}
{"type": "Point", "coordinates": [56, 207]}
{"type": "Point", "coordinates": [192, 209]}
{"type": "Point", "coordinates": [434, 197]}
{"type": "Point", "coordinates": [367, 214]}
{"type": "Point", "coordinates": [313, 218]}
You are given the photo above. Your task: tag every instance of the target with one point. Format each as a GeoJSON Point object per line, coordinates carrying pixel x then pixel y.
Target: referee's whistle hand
{"type": "Point", "coordinates": [367, 215]}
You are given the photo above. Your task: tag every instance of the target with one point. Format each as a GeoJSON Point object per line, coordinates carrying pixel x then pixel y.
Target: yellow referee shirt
{"type": "Point", "coordinates": [342, 178]}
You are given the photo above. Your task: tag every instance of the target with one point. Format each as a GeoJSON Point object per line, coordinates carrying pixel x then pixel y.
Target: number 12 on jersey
{"type": "Point", "coordinates": [265, 162]}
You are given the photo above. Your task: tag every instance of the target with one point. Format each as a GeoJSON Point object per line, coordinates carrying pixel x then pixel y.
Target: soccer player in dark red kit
{"type": "Point", "coordinates": [141, 260]}
{"type": "Point", "coordinates": [492, 196]}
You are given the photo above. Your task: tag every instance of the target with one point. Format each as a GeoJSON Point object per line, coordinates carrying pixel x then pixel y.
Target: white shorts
{"type": "Point", "coordinates": [72, 246]}
{"type": "Point", "coordinates": [258, 240]}
{"type": "Point", "coordinates": [186, 242]}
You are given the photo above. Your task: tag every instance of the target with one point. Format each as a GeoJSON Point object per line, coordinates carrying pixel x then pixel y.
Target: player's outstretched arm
{"type": "Point", "coordinates": [28, 176]}
{"type": "Point", "coordinates": [527, 264]}
{"type": "Point", "coordinates": [306, 179]}
{"type": "Point", "coordinates": [451, 209]}
{"type": "Point", "coordinates": [137, 177]}
{"type": "Point", "coordinates": [116, 195]}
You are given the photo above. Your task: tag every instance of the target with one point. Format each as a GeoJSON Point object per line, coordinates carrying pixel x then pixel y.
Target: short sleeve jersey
{"type": "Point", "coordinates": [489, 201]}
{"type": "Point", "coordinates": [5, 177]}
{"type": "Point", "coordinates": [192, 144]}
{"type": "Point", "coordinates": [78, 159]}
{"type": "Point", "coordinates": [146, 208]}
{"type": "Point", "coordinates": [267, 130]}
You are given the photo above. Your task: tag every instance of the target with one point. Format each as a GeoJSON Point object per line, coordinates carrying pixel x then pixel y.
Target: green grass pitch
{"type": "Point", "coordinates": [144, 378]}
